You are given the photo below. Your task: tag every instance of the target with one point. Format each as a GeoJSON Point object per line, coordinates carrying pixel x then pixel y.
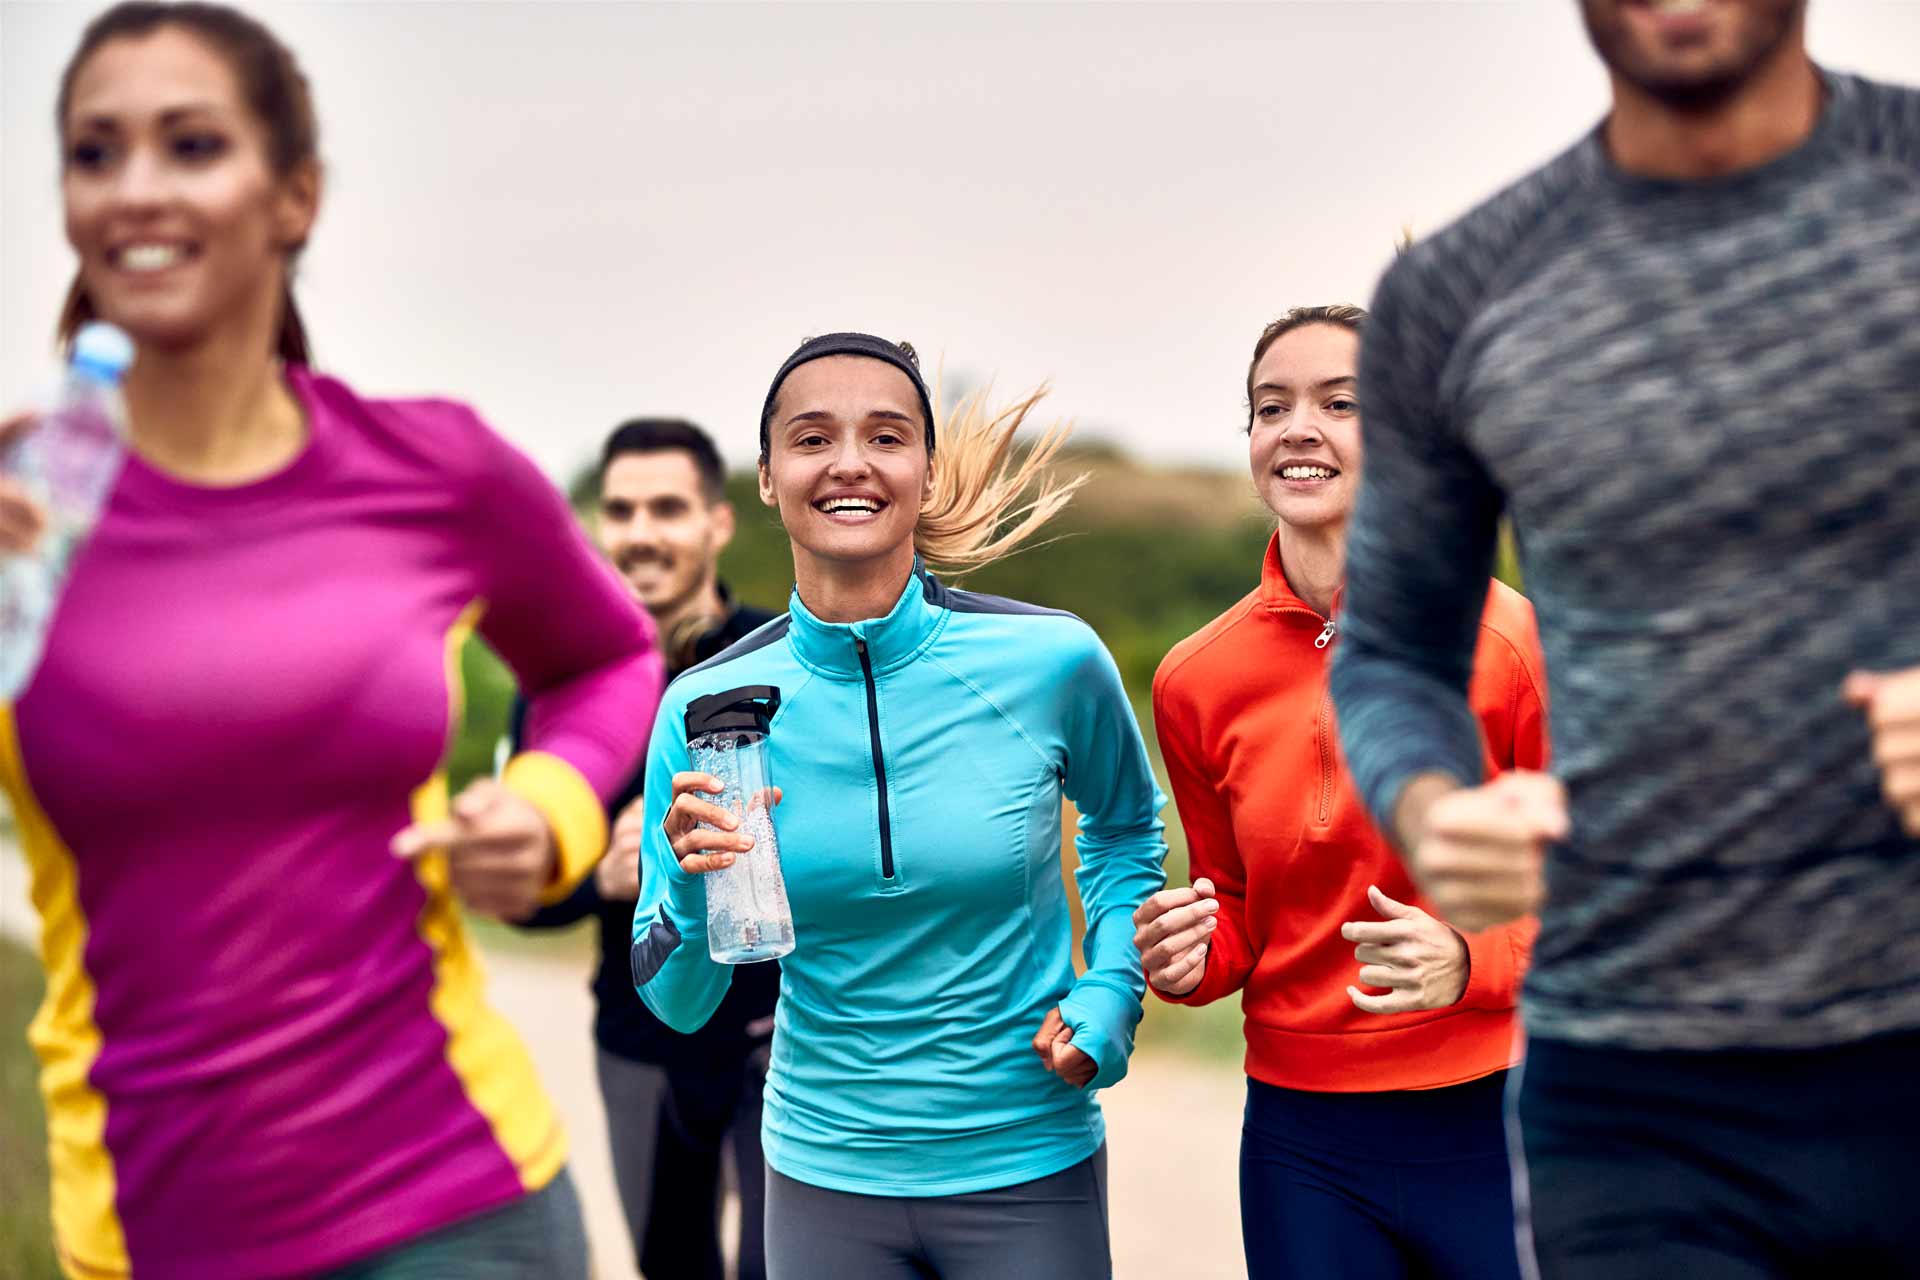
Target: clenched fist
{"type": "Point", "coordinates": [500, 851]}
{"type": "Point", "coordinates": [617, 875]}
{"type": "Point", "coordinates": [1054, 1043]}
{"type": "Point", "coordinates": [1891, 702]}
{"type": "Point", "coordinates": [1478, 853]}
{"type": "Point", "coordinates": [1171, 932]}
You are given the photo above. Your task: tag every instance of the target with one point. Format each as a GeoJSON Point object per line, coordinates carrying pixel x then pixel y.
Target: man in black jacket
{"type": "Point", "coordinates": [672, 1099]}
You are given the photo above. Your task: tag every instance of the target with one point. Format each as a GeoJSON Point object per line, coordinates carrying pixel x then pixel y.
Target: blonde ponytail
{"type": "Point", "coordinates": [979, 510]}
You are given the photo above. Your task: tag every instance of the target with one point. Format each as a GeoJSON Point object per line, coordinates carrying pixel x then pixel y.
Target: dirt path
{"type": "Point", "coordinates": [1173, 1124]}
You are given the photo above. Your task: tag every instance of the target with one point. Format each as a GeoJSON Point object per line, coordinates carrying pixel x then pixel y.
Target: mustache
{"type": "Point", "coordinates": [634, 557]}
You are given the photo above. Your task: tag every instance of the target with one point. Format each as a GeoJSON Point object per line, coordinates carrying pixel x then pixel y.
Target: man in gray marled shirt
{"type": "Point", "coordinates": [1684, 358]}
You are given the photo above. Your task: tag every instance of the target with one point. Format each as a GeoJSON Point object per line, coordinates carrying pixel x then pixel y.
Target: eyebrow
{"type": "Point", "coordinates": [821, 415]}
{"type": "Point", "coordinates": [1344, 380]}
{"type": "Point", "coordinates": [172, 115]}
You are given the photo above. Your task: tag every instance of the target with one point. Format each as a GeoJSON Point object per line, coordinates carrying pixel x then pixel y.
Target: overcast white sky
{"type": "Point", "coordinates": [572, 213]}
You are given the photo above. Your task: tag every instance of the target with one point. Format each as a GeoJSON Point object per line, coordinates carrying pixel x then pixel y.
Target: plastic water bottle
{"type": "Point", "coordinates": [68, 462]}
{"type": "Point", "coordinates": [748, 919]}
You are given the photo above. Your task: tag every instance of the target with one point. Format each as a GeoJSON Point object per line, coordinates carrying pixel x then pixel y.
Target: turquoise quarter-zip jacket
{"type": "Point", "coordinates": [923, 758]}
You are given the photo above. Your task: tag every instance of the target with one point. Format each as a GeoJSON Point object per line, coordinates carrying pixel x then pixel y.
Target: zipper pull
{"type": "Point", "coordinates": [1325, 637]}
{"type": "Point", "coordinates": [860, 646]}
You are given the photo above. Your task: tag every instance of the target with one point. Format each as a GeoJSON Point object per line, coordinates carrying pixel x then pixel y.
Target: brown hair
{"type": "Point", "coordinates": [1343, 315]}
{"type": "Point", "coordinates": [274, 87]}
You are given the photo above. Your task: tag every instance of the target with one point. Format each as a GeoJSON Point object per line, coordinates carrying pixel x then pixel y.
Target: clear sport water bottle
{"type": "Point", "coordinates": [68, 462]}
{"type": "Point", "coordinates": [748, 919]}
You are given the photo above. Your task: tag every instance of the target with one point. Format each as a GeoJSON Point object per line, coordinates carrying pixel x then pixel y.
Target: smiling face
{"type": "Point", "coordinates": [660, 529]}
{"type": "Point", "coordinates": [1304, 441]}
{"type": "Point", "coordinates": [180, 222]}
{"type": "Point", "coordinates": [1691, 54]}
{"type": "Point", "coordinates": [847, 463]}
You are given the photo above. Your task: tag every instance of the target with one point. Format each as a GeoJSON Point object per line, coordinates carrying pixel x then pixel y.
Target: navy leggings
{"type": "Point", "coordinates": [1734, 1165]}
{"type": "Point", "coordinates": [1377, 1186]}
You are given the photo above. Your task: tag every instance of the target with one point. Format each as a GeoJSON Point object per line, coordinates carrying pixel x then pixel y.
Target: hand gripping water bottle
{"type": "Point", "coordinates": [747, 915]}
{"type": "Point", "coordinates": [68, 462]}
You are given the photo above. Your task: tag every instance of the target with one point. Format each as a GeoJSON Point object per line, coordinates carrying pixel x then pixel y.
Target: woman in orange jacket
{"type": "Point", "coordinates": [1378, 1038]}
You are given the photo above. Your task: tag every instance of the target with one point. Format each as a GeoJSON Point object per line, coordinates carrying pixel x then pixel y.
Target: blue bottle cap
{"type": "Point", "coordinates": [102, 350]}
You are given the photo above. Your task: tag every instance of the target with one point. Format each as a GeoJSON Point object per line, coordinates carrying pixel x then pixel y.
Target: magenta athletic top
{"type": "Point", "coordinates": [264, 1042]}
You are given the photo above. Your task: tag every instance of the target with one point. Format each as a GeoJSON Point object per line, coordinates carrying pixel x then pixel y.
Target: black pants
{"type": "Point", "coordinates": [668, 1129]}
{"type": "Point", "coordinates": [1052, 1228]}
{"type": "Point", "coordinates": [1721, 1166]}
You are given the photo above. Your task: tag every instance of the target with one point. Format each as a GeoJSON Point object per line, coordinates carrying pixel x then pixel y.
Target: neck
{"type": "Point", "coordinates": [704, 602]}
{"type": "Point", "coordinates": [852, 590]}
{"type": "Point", "coordinates": [1768, 116]}
{"type": "Point", "coordinates": [1313, 560]}
{"type": "Point", "coordinates": [216, 412]}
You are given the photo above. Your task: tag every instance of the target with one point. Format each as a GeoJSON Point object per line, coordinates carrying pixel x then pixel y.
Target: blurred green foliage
{"type": "Point", "coordinates": [26, 1238]}
{"type": "Point", "coordinates": [489, 693]}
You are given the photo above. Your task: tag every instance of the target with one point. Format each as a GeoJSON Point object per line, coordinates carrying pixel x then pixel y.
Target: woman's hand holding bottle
{"type": "Point", "coordinates": [702, 848]}
{"type": "Point", "coordinates": [22, 520]}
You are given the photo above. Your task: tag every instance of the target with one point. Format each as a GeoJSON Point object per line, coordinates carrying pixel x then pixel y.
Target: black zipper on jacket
{"type": "Point", "coordinates": [879, 761]}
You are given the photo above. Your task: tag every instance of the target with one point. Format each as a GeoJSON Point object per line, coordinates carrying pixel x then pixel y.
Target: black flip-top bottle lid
{"type": "Point", "coordinates": [748, 709]}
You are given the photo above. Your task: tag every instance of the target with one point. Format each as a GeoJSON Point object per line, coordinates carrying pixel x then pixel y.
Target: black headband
{"type": "Point", "coordinates": [898, 354]}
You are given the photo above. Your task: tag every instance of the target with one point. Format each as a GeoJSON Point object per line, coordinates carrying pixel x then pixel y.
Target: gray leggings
{"type": "Point", "coordinates": [1053, 1228]}
{"type": "Point", "coordinates": [537, 1237]}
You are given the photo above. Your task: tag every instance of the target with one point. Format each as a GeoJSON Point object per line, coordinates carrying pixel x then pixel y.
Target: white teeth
{"type": "Point", "coordinates": [1305, 473]}
{"type": "Point", "coordinates": [1679, 6]}
{"type": "Point", "coordinates": [849, 505]}
{"type": "Point", "coordinates": [149, 257]}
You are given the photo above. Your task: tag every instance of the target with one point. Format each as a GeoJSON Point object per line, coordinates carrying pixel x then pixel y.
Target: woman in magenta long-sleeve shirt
{"type": "Point", "coordinates": [265, 1047]}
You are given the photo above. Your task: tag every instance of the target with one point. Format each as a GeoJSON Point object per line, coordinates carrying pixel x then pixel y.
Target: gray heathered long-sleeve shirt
{"type": "Point", "coordinates": [1700, 405]}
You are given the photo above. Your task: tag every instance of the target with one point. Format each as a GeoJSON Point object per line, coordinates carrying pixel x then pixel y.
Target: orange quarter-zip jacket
{"type": "Point", "coordinates": [1273, 819]}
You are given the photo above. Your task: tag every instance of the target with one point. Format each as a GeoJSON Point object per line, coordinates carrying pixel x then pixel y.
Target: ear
{"type": "Point", "coordinates": [721, 514]}
{"type": "Point", "coordinates": [766, 485]}
{"type": "Point", "coordinates": [296, 205]}
{"type": "Point", "coordinates": [926, 489]}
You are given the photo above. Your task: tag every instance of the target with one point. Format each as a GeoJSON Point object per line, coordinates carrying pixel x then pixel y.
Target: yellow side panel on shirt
{"type": "Point", "coordinates": [86, 1225]}
{"type": "Point", "coordinates": [482, 1048]}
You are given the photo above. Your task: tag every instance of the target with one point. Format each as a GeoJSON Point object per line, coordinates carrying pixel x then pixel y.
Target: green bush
{"type": "Point", "coordinates": [26, 1229]}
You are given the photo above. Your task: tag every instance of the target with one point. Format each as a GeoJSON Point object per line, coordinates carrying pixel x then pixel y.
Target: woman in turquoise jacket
{"type": "Point", "coordinates": [930, 1107]}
